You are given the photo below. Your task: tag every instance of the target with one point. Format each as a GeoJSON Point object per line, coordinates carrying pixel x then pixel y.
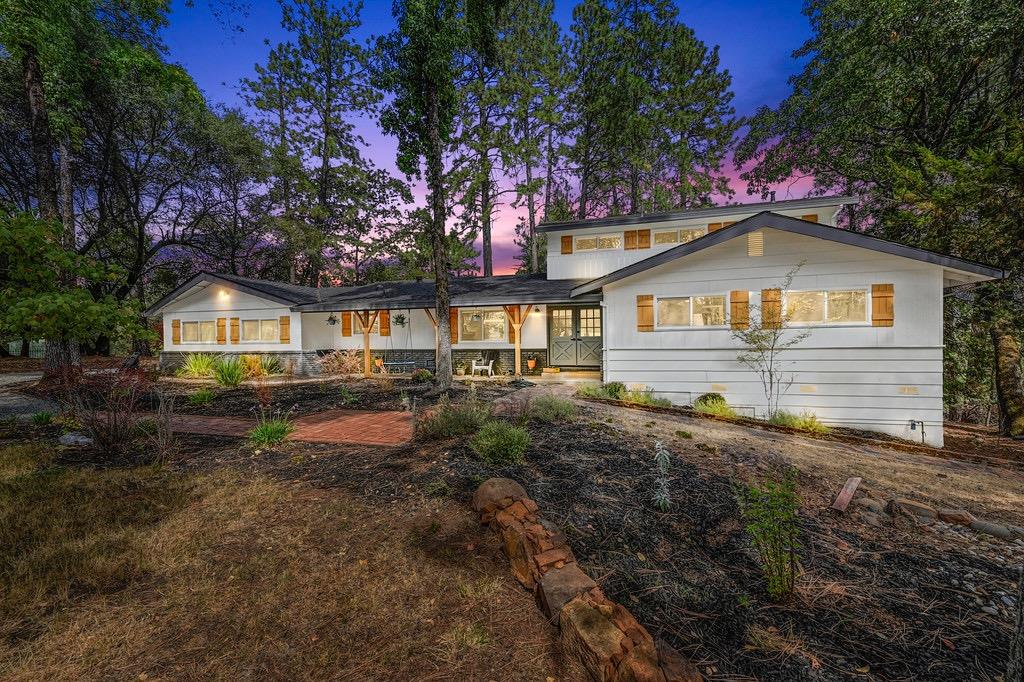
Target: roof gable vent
{"type": "Point", "coordinates": [755, 243]}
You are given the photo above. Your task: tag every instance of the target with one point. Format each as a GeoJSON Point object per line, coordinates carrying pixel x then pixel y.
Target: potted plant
{"type": "Point", "coordinates": [399, 320]}
{"type": "Point", "coordinates": [460, 370]}
{"type": "Point", "coordinates": [531, 362]}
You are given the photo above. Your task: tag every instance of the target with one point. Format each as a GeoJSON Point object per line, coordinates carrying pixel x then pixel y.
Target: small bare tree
{"type": "Point", "coordinates": [766, 337]}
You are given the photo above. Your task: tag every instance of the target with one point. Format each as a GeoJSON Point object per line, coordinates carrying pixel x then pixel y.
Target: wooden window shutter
{"type": "Point", "coordinates": [645, 313]}
{"type": "Point", "coordinates": [567, 243]}
{"type": "Point", "coordinates": [771, 308]}
{"type": "Point", "coordinates": [712, 227]}
{"type": "Point", "coordinates": [385, 322]}
{"type": "Point", "coordinates": [739, 309]}
{"type": "Point", "coordinates": [176, 331]}
{"type": "Point", "coordinates": [810, 217]}
{"type": "Point", "coordinates": [643, 239]}
{"type": "Point", "coordinates": [284, 325]}
{"type": "Point", "coordinates": [629, 239]}
{"type": "Point", "coordinates": [453, 322]}
{"type": "Point", "coordinates": [346, 323]}
{"type": "Point", "coordinates": [882, 313]}
{"type": "Point", "coordinates": [222, 333]}
{"type": "Point", "coordinates": [234, 330]}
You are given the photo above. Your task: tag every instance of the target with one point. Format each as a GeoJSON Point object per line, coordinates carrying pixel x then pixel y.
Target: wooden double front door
{"type": "Point", "coordinates": [574, 336]}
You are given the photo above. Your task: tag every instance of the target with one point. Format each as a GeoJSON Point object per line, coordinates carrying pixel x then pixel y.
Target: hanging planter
{"type": "Point", "coordinates": [399, 320]}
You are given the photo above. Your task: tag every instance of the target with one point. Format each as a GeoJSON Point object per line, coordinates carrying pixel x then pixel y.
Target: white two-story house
{"type": "Point", "coordinates": [649, 300]}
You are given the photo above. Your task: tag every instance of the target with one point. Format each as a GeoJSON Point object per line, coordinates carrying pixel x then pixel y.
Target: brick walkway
{"type": "Point", "coordinates": [333, 426]}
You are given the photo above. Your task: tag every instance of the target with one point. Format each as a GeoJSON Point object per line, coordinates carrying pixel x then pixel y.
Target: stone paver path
{"type": "Point", "coordinates": [360, 427]}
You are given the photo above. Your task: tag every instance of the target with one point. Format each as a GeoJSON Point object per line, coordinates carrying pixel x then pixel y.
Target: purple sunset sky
{"type": "Point", "coordinates": [756, 41]}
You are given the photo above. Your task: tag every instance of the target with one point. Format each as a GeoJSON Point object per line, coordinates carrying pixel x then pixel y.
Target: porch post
{"type": "Point", "coordinates": [517, 320]}
{"type": "Point", "coordinates": [367, 319]}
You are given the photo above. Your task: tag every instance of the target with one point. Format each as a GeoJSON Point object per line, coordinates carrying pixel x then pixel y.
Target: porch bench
{"type": "Point", "coordinates": [399, 365]}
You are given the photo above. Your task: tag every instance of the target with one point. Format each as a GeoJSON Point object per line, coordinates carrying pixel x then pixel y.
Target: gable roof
{"type": "Point", "coordinates": [710, 212]}
{"type": "Point", "coordinates": [796, 226]}
{"type": "Point", "coordinates": [278, 292]}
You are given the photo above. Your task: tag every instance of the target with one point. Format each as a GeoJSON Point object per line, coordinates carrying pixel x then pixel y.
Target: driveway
{"type": "Point", "coordinates": [17, 405]}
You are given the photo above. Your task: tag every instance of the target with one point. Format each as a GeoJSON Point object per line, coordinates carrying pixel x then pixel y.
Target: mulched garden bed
{"type": "Point", "coordinates": [310, 398]}
{"type": "Point", "coordinates": [868, 607]}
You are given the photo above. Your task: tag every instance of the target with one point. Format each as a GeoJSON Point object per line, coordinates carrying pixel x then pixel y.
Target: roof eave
{"type": "Point", "coordinates": [211, 278]}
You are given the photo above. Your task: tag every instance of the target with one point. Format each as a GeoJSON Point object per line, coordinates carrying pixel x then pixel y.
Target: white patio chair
{"type": "Point", "coordinates": [481, 366]}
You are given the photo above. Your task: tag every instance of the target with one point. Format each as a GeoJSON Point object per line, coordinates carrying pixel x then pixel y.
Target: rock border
{"type": "Point", "coordinates": [603, 635]}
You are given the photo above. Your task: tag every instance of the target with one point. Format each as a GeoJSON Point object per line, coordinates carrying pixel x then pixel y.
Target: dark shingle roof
{"type": "Point", "coordinates": [465, 291]}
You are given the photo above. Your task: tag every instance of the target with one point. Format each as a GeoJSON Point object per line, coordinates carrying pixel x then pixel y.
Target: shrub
{"type": "Point", "coordinates": [500, 443]}
{"type": "Point", "coordinates": [271, 430]}
{"type": "Point", "coordinates": [682, 433]}
{"type": "Point", "coordinates": [645, 396]}
{"type": "Point", "coordinates": [228, 371]}
{"type": "Point", "coordinates": [713, 403]}
{"type": "Point", "coordinates": [108, 406]}
{"type": "Point", "coordinates": [804, 422]}
{"type": "Point", "coordinates": [197, 366]}
{"type": "Point", "coordinates": [449, 419]}
{"type": "Point", "coordinates": [552, 409]}
{"type": "Point", "coordinates": [42, 418]}
{"type": "Point", "coordinates": [770, 516]}
{"type": "Point", "coordinates": [252, 366]}
{"type": "Point", "coordinates": [342, 362]}
{"type": "Point", "coordinates": [616, 390]}
{"type": "Point", "coordinates": [347, 396]}
{"type": "Point", "coordinates": [271, 365]}
{"type": "Point", "coordinates": [422, 376]}
{"type": "Point", "coordinates": [203, 396]}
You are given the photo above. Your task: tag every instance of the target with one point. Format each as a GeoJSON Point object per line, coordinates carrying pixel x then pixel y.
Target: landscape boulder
{"type": "Point", "coordinates": [993, 529]}
{"type": "Point", "coordinates": [958, 516]}
{"type": "Point", "coordinates": [496, 493]}
{"type": "Point", "coordinates": [917, 509]}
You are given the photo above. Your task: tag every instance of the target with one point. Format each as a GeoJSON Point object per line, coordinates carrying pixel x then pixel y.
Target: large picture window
{"type": "Point", "coordinates": [835, 306]}
{"type": "Point", "coordinates": [691, 311]}
{"type": "Point", "coordinates": [482, 325]}
{"type": "Point", "coordinates": [260, 330]}
{"type": "Point", "coordinates": [204, 331]}
{"type": "Point", "coordinates": [599, 242]}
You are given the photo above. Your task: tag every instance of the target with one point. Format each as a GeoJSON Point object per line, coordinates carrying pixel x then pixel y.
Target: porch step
{"type": "Point", "coordinates": [551, 370]}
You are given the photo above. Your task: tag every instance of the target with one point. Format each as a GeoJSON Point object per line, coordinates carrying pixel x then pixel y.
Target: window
{"type": "Point", "coordinates": [840, 306]}
{"type": "Point", "coordinates": [590, 322]}
{"type": "Point", "coordinates": [594, 242]}
{"type": "Point", "coordinates": [688, 235]}
{"type": "Point", "coordinates": [199, 332]}
{"type": "Point", "coordinates": [561, 323]}
{"type": "Point", "coordinates": [666, 237]}
{"type": "Point", "coordinates": [482, 325]}
{"type": "Point", "coordinates": [260, 330]}
{"type": "Point", "coordinates": [691, 311]}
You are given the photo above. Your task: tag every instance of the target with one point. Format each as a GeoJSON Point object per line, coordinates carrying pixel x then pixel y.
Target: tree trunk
{"type": "Point", "coordinates": [61, 354]}
{"type": "Point", "coordinates": [1009, 386]}
{"type": "Point", "coordinates": [1015, 669]}
{"type": "Point", "coordinates": [531, 216]}
{"type": "Point", "coordinates": [483, 127]}
{"type": "Point", "coordinates": [25, 345]}
{"type": "Point", "coordinates": [438, 240]}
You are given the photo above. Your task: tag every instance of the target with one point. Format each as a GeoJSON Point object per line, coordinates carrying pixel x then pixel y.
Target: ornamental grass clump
{"type": "Point", "coordinates": [448, 419]}
{"type": "Point", "coordinates": [271, 430]}
{"type": "Point", "coordinates": [662, 460]}
{"type": "Point", "coordinates": [804, 422]}
{"type": "Point", "coordinates": [203, 396]}
{"type": "Point", "coordinates": [499, 443]}
{"type": "Point", "coordinates": [228, 371]}
{"type": "Point", "coordinates": [551, 409]}
{"type": "Point", "coordinates": [769, 513]}
{"type": "Point", "coordinates": [714, 404]}
{"type": "Point", "coordinates": [197, 366]}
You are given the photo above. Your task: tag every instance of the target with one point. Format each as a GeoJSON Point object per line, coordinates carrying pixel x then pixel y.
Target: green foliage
{"type": "Point", "coordinates": [37, 301]}
{"type": "Point", "coordinates": [42, 418]}
{"type": "Point", "coordinates": [719, 409]}
{"type": "Point", "coordinates": [347, 396]}
{"type": "Point", "coordinates": [203, 396]}
{"type": "Point", "coordinates": [258, 366]}
{"type": "Point", "coordinates": [500, 443]}
{"type": "Point", "coordinates": [616, 390]}
{"type": "Point", "coordinates": [682, 433]}
{"type": "Point", "coordinates": [770, 515]}
{"type": "Point", "coordinates": [709, 399]}
{"type": "Point", "coordinates": [645, 396]}
{"type": "Point", "coordinates": [228, 371]}
{"type": "Point", "coordinates": [197, 366]}
{"type": "Point", "coordinates": [552, 409]}
{"type": "Point", "coordinates": [422, 376]}
{"type": "Point", "coordinates": [448, 419]}
{"type": "Point", "coordinates": [805, 422]}
{"type": "Point", "coordinates": [270, 431]}
{"type": "Point", "coordinates": [438, 488]}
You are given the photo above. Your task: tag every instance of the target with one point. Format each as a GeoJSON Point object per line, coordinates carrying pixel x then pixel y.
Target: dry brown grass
{"type": "Point", "coordinates": [225, 576]}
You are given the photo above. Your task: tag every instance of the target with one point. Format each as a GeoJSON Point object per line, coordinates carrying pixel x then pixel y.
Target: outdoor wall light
{"type": "Point", "coordinates": [332, 320]}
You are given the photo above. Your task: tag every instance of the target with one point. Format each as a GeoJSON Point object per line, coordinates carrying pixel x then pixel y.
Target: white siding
{"type": "Point", "coordinates": [417, 335]}
{"type": "Point", "coordinates": [593, 264]}
{"type": "Point", "coordinates": [219, 300]}
{"type": "Point", "coordinates": [876, 378]}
